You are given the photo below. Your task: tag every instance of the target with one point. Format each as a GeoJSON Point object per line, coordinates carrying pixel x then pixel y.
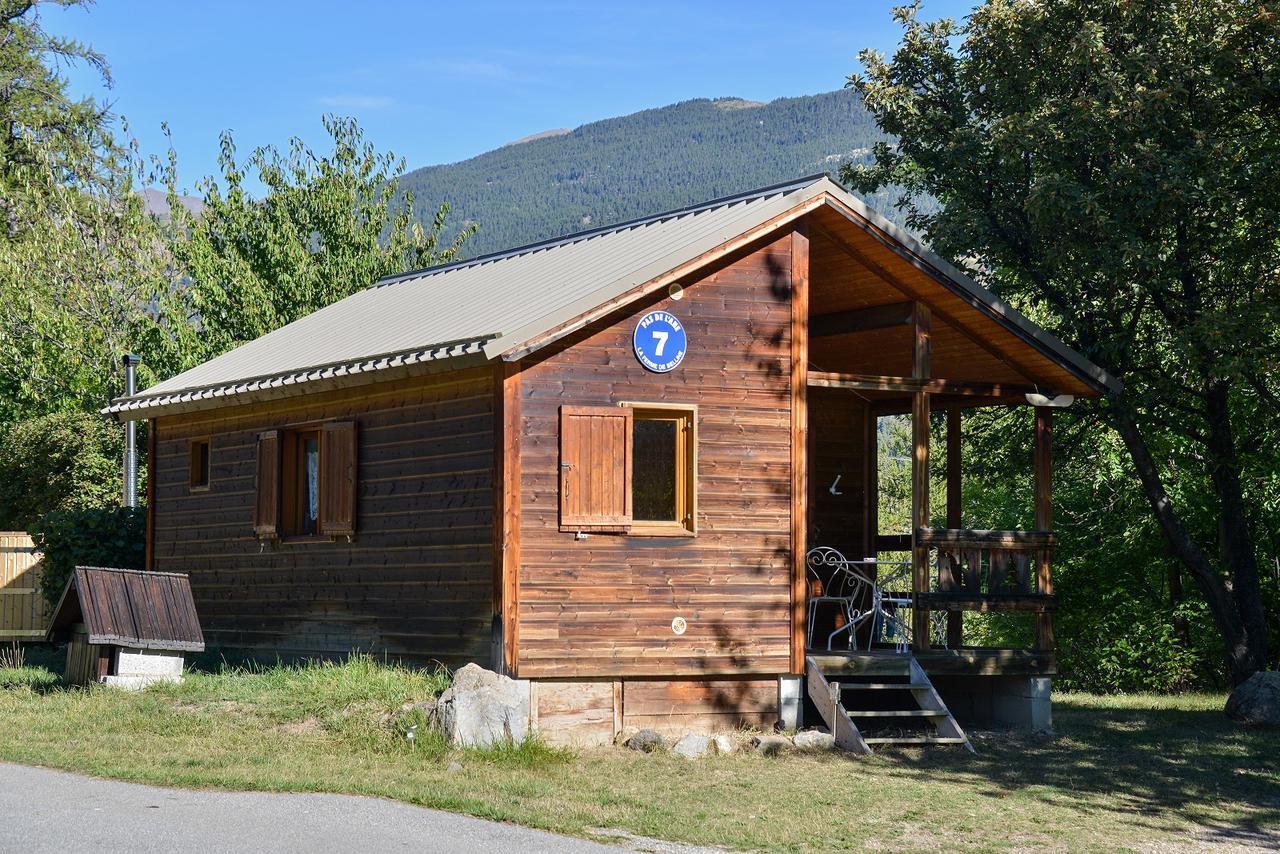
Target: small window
{"type": "Point", "coordinates": [200, 464]}
{"type": "Point", "coordinates": [301, 482]}
{"type": "Point", "coordinates": [663, 464]}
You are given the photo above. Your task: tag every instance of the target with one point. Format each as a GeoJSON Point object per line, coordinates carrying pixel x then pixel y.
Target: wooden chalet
{"type": "Point", "coordinates": [498, 460]}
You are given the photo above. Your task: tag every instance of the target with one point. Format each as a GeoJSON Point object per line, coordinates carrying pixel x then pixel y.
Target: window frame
{"type": "Point", "coordinates": [291, 495]}
{"type": "Point", "coordinates": [192, 445]}
{"type": "Point", "coordinates": [686, 468]}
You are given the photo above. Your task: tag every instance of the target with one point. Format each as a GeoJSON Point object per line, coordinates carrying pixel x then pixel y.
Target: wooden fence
{"type": "Point", "coordinates": [22, 607]}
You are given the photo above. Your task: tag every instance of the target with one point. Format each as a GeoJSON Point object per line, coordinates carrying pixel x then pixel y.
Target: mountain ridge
{"type": "Point", "coordinates": [658, 159]}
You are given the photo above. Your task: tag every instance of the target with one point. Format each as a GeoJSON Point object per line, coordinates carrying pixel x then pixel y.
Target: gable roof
{"type": "Point", "coordinates": [129, 607]}
{"type": "Point", "coordinates": [510, 303]}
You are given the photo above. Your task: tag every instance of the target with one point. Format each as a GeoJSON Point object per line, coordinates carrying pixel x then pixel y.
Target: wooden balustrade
{"type": "Point", "coordinates": [990, 571]}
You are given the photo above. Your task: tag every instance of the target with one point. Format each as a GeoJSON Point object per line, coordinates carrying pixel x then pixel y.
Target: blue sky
{"type": "Point", "coordinates": [440, 82]}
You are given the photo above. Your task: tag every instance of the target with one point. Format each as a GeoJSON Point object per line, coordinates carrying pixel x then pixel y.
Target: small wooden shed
{"type": "Point", "coordinates": [125, 627]}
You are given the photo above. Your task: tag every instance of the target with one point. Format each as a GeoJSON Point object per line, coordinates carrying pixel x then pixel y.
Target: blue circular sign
{"type": "Point", "coordinates": [660, 341]}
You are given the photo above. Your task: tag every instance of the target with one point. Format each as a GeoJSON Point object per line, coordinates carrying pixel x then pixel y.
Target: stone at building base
{"type": "Point", "coordinates": [1021, 703]}
{"type": "Point", "coordinates": [692, 746]}
{"type": "Point", "coordinates": [646, 741]}
{"type": "Point", "coordinates": [1256, 700]}
{"type": "Point", "coordinates": [482, 708]}
{"type": "Point", "coordinates": [135, 669]}
{"type": "Point", "coordinates": [815, 740]}
{"type": "Point", "coordinates": [770, 745]}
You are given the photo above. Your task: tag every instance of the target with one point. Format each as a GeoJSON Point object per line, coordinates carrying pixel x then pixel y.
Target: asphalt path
{"type": "Point", "coordinates": [52, 812]}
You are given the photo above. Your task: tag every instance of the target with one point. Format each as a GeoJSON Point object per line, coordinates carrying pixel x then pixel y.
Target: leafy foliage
{"type": "Point", "coordinates": [1113, 168]}
{"type": "Point", "coordinates": [61, 461]}
{"type": "Point", "coordinates": [101, 536]}
{"type": "Point", "coordinates": [79, 256]}
{"type": "Point", "coordinates": [655, 160]}
{"type": "Point", "coordinates": [328, 226]}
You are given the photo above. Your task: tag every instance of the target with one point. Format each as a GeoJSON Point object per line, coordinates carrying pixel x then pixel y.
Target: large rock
{"type": "Point", "coordinates": [725, 744]}
{"type": "Point", "coordinates": [692, 746]}
{"type": "Point", "coordinates": [815, 739]}
{"type": "Point", "coordinates": [1256, 700]}
{"type": "Point", "coordinates": [646, 741]}
{"type": "Point", "coordinates": [483, 708]}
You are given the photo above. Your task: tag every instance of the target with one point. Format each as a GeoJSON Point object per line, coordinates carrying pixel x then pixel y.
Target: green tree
{"type": "Point", "coordinates": [1113, 166]}
{"type": "Point", "coordinates": [80, 258]}
{"type": "Point", "coordinates": [58, 462]}
{"type": "Point", "coordinates": [326, 227]}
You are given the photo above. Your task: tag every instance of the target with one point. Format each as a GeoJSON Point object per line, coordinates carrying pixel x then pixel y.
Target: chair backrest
{"type": "Point", "coordinates": [836, 574]}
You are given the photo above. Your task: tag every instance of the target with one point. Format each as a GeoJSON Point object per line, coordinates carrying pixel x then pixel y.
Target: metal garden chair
{"type": "Point", "coordinates": [833, 578]}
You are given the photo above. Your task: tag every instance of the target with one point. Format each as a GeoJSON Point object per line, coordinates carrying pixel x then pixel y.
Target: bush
{"type": "Point", "coordinates": [103, 536]}
{"type": "Point", "coordinates": [63, 461]}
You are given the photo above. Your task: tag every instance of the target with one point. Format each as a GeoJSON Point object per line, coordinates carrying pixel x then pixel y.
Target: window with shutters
{"type": "Point", "coordinates": [307, 482]}
{"type": "Point", "coordinates": [627, 469]}
{"type": "Point", "coordinates": [300, 482]}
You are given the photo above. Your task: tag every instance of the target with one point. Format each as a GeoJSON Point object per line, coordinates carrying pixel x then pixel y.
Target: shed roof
{"type": "Point", "coordinates": [129, 607]}
{"type": "Point", "coordinates": [509, 303]}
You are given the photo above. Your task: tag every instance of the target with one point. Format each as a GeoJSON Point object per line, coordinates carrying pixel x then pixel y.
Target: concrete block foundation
{"type": "Point", "coordinates": [134, 669]}
{"type": "Point", "coordinates": [1021, 703]}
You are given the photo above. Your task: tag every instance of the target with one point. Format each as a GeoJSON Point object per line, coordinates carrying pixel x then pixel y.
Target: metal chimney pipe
{"type": "Point", "coordinates": [131, 363]}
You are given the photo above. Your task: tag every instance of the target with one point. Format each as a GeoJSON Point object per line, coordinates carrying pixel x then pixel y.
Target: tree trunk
{"type": "Point", "coordinates": [1245, 650]}
{"type": "Point", "coordinates": [1235, 541]}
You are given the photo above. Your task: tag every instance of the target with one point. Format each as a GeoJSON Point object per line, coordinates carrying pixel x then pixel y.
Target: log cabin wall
{"type": "Point", "coordinates": [603, 606]}
{"type": "Point", "coordinates": [415, 582]}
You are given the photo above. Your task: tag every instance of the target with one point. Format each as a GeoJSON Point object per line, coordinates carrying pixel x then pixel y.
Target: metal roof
{"type": "Point", "coordinates": [129, 607]}
{"type": "Point", "coordinates": [497, 304]}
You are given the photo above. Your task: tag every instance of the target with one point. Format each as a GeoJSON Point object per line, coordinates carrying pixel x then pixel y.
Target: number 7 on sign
{"type": "Point", "coordinates": [661, 338]}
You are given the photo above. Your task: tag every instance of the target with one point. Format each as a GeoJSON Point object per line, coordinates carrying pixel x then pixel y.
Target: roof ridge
{"type": "Point", "coordinates": [574, 237]}
{"type": "Point", "coordinates": [134, 571]}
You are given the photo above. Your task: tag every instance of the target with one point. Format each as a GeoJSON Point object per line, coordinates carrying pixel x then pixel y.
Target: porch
{"type": "Point", "coordinates": [883, 343]}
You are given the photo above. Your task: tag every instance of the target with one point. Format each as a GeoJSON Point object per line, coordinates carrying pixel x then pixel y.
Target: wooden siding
{"type": "Point", "coordinates": [603, 606]}
{"type": "Point", "coordinates": [676, 707]}
{"type": "Point", "coordinates": [416, 580]}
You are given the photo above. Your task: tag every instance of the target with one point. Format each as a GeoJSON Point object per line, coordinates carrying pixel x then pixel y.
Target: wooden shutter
{"type": "Point", "coordinates": [595, 468]}
{"type": "Point", "coordinates": [338, 479]}
{"type": "Point", "coordinates": [266, 515]}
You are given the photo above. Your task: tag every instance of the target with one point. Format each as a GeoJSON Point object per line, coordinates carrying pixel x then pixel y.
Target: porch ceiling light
{"type": "Point", "coordinates": [1061, 401]}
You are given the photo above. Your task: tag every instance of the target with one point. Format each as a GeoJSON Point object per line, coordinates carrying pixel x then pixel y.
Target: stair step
{"type": "Point", "coordinates": [882, 686]}
{"type": "Point", "coordinates": [897, 713]}
{"type": "Point", "coordinates": [914, 739]}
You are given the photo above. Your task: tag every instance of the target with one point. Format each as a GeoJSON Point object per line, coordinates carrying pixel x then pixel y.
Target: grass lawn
{"type": "Point", "coordinates": [1138, 772]}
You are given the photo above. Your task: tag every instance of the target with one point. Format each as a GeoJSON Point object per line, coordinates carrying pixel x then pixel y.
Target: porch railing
{"type": "Point", "coordinates": [981, 570]}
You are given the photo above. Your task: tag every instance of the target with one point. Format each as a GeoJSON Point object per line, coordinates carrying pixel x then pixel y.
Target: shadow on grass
{"type": "Point", "coordinates": [1162, 763]}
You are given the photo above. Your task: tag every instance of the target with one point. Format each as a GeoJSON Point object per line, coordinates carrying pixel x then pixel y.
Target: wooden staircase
{"type": "Point", "coordinates": [875, 698]}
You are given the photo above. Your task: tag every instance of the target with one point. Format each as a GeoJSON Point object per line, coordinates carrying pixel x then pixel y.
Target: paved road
{"type": "Point", "coordinates": [51, 812]}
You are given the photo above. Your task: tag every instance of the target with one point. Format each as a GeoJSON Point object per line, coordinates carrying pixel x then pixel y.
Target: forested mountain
{"type": "Point", "coordinates": [655, 160]}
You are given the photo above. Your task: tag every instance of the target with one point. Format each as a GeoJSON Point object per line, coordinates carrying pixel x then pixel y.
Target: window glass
{"type": "Point", "coordinates": [200, 464]}
{"type": "Point", "coordinates": [309, 448]}
{"type": "Point", "coordinates": [655, 445]}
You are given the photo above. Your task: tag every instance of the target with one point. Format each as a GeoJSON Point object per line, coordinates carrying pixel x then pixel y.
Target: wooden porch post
{"type": "Point", "coordinates": [955, 619]}
{"type": "Point", "coordinates": [799, 438]}
{"type": "Point", "coordinates": [1044, 518]}
{"type": "Point", "coordinates": [921, 323]}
